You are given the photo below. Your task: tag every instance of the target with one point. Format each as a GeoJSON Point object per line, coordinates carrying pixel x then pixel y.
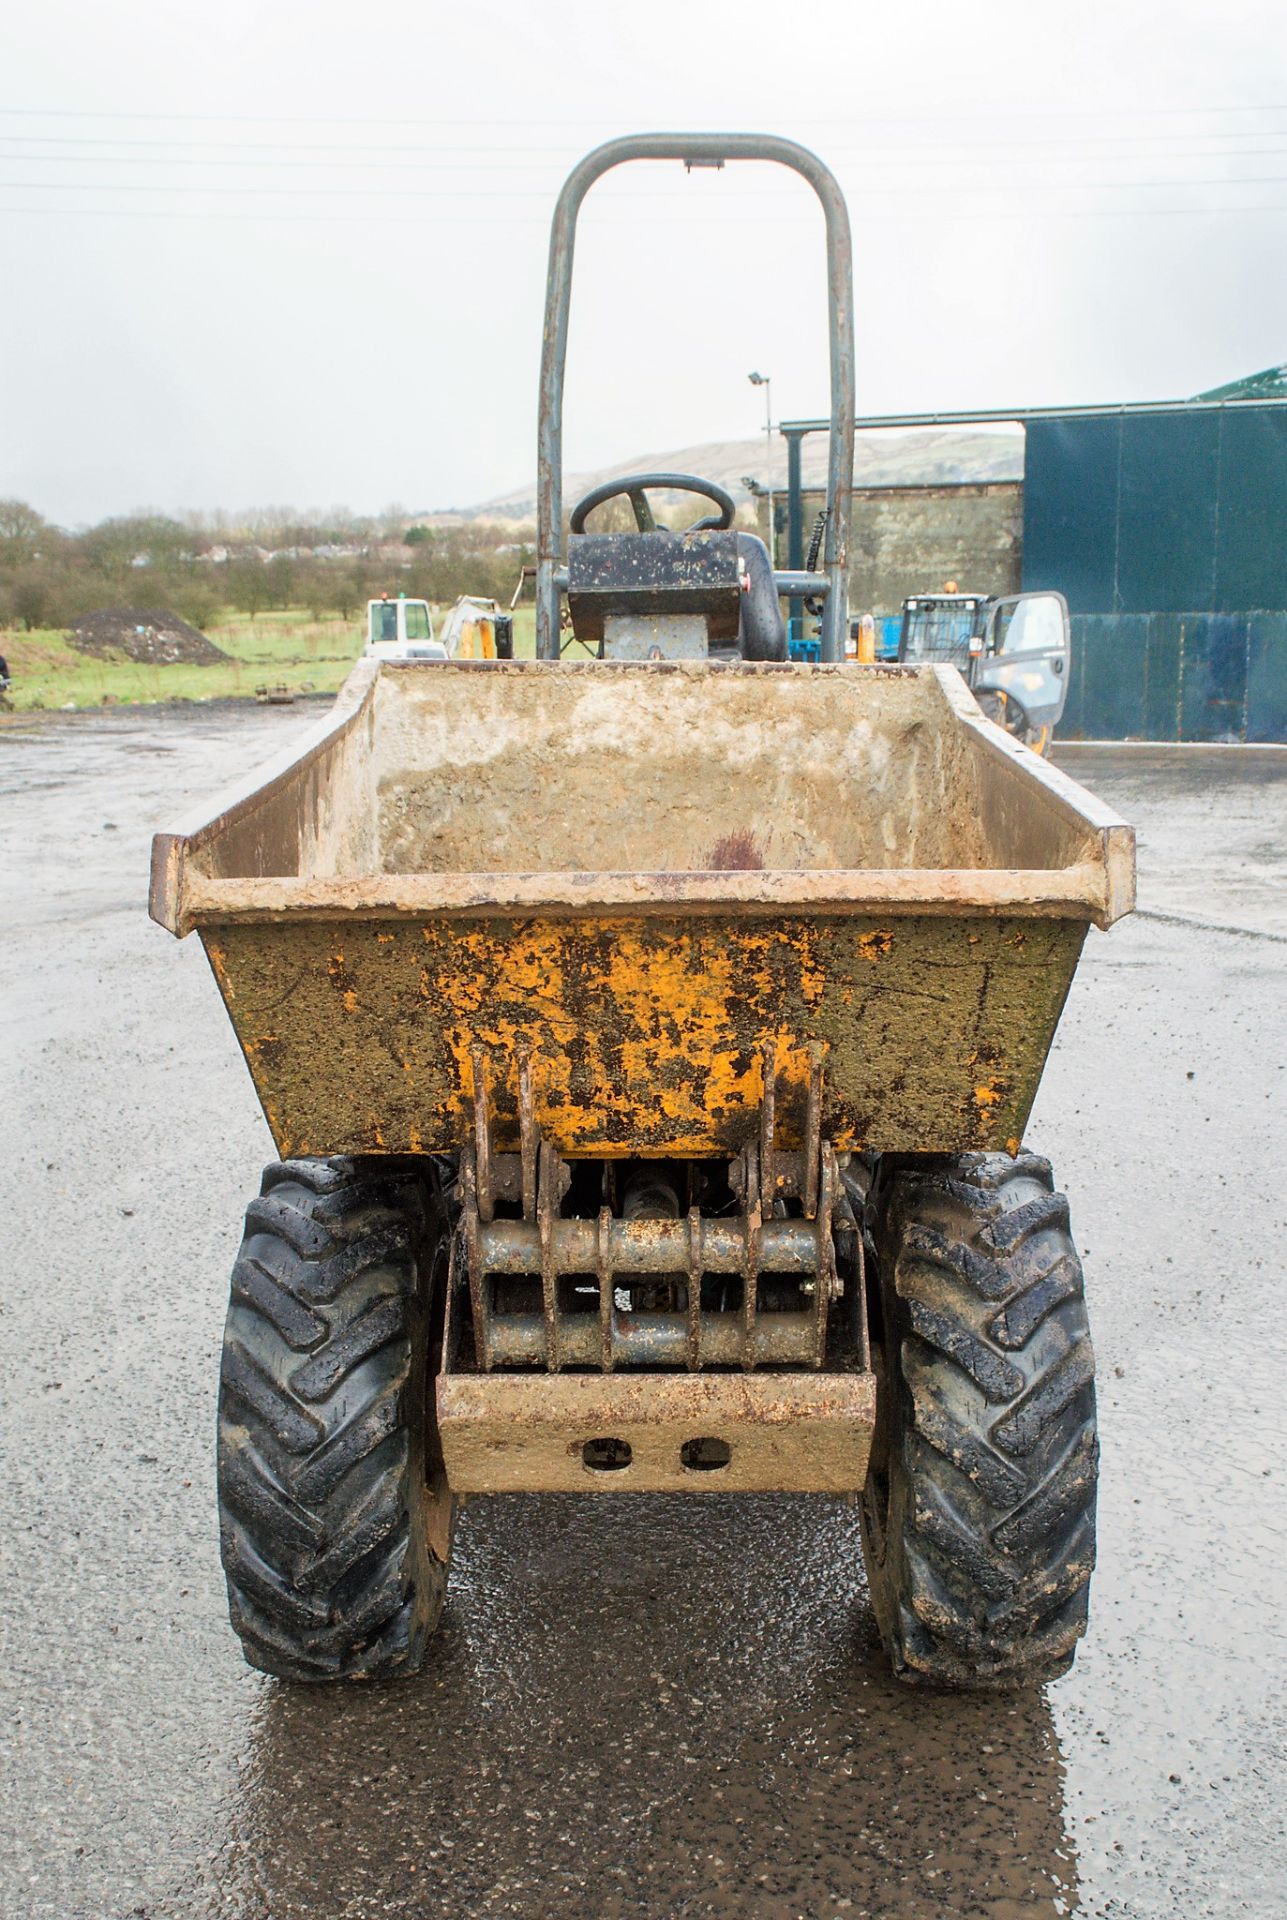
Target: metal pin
{"type": "Point", "coordinates": [694, 1287]}
{"type": "Point", "coordinates": [527, 1136]}
{"type": "Point", "coordinates": [768, 1185]}
{"type": "Point", "coordinates": [482, 1139]}
{"type": "Point", "coordinates": [813, 1132]}
{"type": "Point", "coordinates": [751, 1285]}
{"type": "Point", "coordinates": [604, 1266]}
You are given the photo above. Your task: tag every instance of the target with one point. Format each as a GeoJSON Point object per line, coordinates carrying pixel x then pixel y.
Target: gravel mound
{"type": "Point", "coordinates": [153, 636]}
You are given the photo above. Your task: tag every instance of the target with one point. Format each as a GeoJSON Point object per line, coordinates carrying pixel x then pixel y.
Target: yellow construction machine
{"type": "Point", "coordinates": [648, 1042]}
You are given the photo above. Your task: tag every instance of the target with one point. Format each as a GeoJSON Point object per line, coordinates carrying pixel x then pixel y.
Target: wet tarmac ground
{"type": "Point", "coordinates": [651, 1707]}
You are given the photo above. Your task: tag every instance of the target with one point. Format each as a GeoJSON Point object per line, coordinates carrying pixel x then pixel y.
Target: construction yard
{"type": "Point", "coordinates": [636, 1708]}
{"type": "Point", "coordinates": [643, 974]}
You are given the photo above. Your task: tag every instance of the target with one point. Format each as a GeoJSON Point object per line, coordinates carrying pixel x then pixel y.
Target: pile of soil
{"type": "Point", "coordinates": [147, 634]}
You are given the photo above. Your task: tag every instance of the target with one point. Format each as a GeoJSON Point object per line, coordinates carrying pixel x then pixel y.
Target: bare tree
{"type": "Point", "coordinates": [21, 528]}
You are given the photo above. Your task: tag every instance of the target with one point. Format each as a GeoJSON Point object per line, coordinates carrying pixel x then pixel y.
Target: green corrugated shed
{"type": "Point", "coordinates": [1166, 530]}
{"type": "Point", "coordinates": [1269, 385]}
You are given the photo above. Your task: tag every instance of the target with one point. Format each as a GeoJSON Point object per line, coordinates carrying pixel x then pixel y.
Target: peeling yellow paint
{"type": "Point", "coordinates": [876, 946]}
{"type": "Point", "coordinates": [987, 1096]}
{"type": "Point", "coordinates": [647, 1022]}
{"type": "Point", "coordinates": [649, 1034]}
{"type": "Point", "coordinates": [813, 976]}
{"type": "Point", "coordinates": [218, 963]}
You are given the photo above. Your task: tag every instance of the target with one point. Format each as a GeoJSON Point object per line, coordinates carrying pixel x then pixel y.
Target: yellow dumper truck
{"type": "Point", "coordinates": [648, 1041]}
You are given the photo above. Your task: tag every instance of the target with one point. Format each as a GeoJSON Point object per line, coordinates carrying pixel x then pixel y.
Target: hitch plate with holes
{"type": "Point", "coordinates": [656, 1432]}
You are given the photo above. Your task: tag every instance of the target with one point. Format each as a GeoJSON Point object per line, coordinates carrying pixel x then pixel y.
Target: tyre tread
{"type": "Point", "coordinates": [980, 1572]}
{"type": "Point", "coordinates": [320, 1445]}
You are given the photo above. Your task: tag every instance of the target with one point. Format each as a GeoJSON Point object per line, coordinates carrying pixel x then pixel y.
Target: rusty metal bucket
{"type": "Point", "coordinates": [645, 881]}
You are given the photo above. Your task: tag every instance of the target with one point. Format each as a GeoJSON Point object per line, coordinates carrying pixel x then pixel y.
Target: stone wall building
{"type": "Point", "coordinates": [906, 540]}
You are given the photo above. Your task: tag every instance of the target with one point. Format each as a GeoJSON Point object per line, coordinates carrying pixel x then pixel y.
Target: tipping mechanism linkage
{"type": "Point", "coordinates": [643, 1280]}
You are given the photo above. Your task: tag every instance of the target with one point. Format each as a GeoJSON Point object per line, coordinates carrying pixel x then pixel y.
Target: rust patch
{"type": "Point", "coordinates": [736, 853]}
{"type": "Point", "coordinates": [265, 1047]}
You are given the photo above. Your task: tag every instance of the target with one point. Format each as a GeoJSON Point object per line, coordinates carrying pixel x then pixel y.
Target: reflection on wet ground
{"type": "Point", "coordinates": [648, 1707]}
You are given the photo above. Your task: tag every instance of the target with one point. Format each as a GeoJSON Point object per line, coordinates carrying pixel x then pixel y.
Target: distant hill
{"type": "Point", "coordinates": [917, 456]}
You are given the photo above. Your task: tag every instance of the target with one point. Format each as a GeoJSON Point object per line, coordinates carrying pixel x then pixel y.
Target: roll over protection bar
{"type": "Point", "coordinates": [696, 150]}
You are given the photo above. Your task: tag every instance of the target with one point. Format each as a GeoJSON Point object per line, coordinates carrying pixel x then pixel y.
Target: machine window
{"type": "Point", "coordinates": [1032, 625]}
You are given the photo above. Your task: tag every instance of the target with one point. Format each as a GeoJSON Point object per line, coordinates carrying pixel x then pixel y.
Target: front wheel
{"type": "Point", "coordinates": [978, 1517]}
{"type": "Point", "coordinates": [1006, 712]}
{"type": "Point", "coordinates": [335, 1518]}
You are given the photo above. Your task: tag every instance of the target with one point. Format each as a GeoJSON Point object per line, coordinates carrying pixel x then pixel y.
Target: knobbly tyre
{"type": "Point", "coordinates": [648, 1041]}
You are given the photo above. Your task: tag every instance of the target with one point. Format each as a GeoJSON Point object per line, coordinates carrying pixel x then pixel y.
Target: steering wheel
{"type": "Point", "coordinates": [635, 487]}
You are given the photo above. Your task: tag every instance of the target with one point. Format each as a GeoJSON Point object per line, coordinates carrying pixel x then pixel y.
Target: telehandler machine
{"type": "Point", "coordinates": [648, 1042]}
{"type": "Point", "coordinates": [1014, 653]}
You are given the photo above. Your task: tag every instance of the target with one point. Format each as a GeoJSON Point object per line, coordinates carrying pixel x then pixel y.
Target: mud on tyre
{"type": "Point", "coordinates": [335, 1520]}
{"type": "Point", "coordinates": [979, 1513]}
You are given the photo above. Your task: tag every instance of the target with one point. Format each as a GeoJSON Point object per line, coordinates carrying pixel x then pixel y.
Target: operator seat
{"type": "Point", "coordinates": [707, 592]}
{"type": "Point", "coordinates": [761, 630]}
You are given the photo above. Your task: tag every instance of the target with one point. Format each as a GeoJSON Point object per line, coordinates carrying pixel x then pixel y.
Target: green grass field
{"type": "Point", "coordinates": [289, 649]}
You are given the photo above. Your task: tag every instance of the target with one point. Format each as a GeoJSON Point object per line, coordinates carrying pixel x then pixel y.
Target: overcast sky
{"type": "Point", "coordinates": [269, 253]}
